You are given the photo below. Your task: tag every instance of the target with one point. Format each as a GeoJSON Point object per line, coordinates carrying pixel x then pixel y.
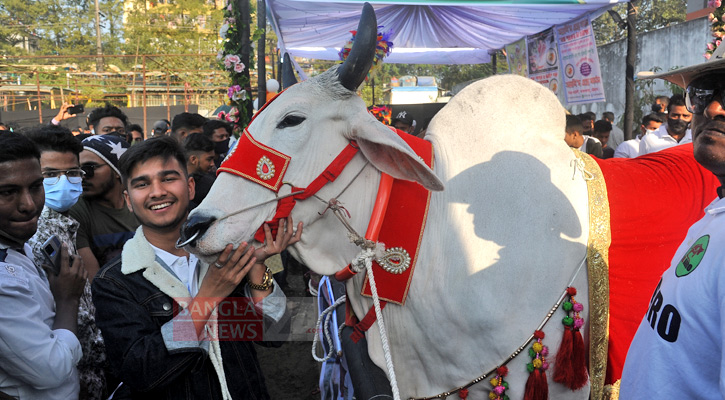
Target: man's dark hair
{"type": "Point", "coordinates": [54, 138]}
{"type": "Point", "coordinates": [187, 120]}
{"type": "Point", "coordinates": [213, 124]}
{"type": "Point", "coordinates": [573, 123]}
{"type": "Point", "coordinates": [585, 117]}
{"type": "Point", "coordinates": [165, 147]}
{"type": "Point", "coordinates": [602, 126]}
{"type": "Point", "coordinates": [135, 127]}
{"type": "Point", "coordinates": [664, 104]}
{"type": "Point", "coordinates": [592, 115]}
{"type": "Point", "coordinates": [14, 147]}
{"type": "Point", "coordinates": [676, 100]}
{"type": "Point", "coordinates": [107, 111]}
{"type": "Point", "coordinates": [608, 115]}
{"type": "Point", "coordinates": [198, 142]}
{"type": "Point", "coordinates": [652, 117]}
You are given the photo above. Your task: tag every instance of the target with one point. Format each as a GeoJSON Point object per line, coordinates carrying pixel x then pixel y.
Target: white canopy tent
{"type": "Point", "coordinates": [424, 32]}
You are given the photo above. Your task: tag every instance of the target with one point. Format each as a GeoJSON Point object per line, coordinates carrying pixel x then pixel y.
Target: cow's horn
{"type": "Point", "coordinates": [288, 73]}
{"type": "Point", "coordinates": [355, 68]}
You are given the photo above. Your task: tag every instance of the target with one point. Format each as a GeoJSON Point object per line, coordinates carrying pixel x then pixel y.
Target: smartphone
{"type": "Point", "coordinates": [76, 109]}
{"type": "Point", "coordinates": [51, 251]}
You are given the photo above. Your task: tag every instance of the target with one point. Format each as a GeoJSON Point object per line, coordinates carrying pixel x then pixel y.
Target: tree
{"type": "Point", "coordinates": [651, 15]}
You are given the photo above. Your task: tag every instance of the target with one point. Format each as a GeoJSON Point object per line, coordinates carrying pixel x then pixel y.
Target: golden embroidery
{"type": "Point", "coordinates": [600, 237]}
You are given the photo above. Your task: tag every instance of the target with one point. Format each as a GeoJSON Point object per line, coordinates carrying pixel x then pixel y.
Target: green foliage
{"type": "Point", "coordinates": [651, 15]}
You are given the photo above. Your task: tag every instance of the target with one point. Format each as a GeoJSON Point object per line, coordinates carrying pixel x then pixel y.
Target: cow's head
{"type": "Point", "coordinates": [310, 123]}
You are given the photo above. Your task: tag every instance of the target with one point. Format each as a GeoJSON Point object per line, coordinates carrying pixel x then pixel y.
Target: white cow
{"type": "Point", "coordinates": [501, 244]}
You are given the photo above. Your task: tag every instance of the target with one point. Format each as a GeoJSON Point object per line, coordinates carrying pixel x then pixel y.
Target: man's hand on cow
{"type": "Point", "coordinates": [227, 272]}
{"type": "Point", "coordinates": [285, 237]}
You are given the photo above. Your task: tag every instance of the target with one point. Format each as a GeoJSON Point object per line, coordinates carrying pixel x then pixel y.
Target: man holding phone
{"type": "Point", "coordinates": [38, 325]}
{"type": "Point", "coordinates": [62, 180]}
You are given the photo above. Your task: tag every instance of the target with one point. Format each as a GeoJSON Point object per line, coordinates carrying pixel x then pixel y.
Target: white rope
{"type": "Point", "coordinates": [578, 164]}
{"type": "Point", "coordinates": [366, 256]}
{"type": "Point", "coordinates": [323, 323]}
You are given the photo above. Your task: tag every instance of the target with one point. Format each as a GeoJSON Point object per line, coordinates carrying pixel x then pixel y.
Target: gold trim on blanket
{"type": "Point", "coordinates": [600, 237]}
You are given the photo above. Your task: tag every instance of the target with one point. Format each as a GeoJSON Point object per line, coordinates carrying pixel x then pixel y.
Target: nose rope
{"type": "Point", "coordinates": [180, 244]}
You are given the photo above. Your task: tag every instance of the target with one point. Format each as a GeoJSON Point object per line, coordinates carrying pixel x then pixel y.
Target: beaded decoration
{"type": "Point", "coordinates": [538, 353]}
{"type": "Point", "coordinates": [576, 322]}
{"type": "Point", "coordinates": [498, 392]}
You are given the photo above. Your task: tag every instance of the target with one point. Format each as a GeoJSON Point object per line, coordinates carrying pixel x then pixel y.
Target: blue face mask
{"type": "Point", "coordinates": [61, 196]}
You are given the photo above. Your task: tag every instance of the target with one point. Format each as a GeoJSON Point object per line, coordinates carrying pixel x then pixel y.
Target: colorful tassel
{"type": "Point", "coordinates": [537, 388]}
{"type": "Point", "coordinates": [498, 392]}
{"type": "Point", "coordinates": [571, 369]}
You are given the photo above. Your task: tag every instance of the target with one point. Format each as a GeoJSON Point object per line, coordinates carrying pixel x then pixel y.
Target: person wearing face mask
{"type": "Point", "coordinates": [62, 181]}
{"type": "Point", "coordinates": [675, 132]}
{"type": "Point", "coordinates": [220, 133]}
{"type": "Point", "coordinates": [630, 148]}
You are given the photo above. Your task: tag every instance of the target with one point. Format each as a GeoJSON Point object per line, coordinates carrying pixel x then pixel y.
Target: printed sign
{"type": "Point", "coordinates": [516, 57]}
{"type": "Point", "coordinates": [579, 61]}
{"type": "Point", "coordinates": [544, 60]}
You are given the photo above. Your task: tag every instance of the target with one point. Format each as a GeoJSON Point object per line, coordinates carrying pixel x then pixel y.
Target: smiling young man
{"type": "Point", "coordinates": [39, 350]}
{"type": "Point", "coordinates": [679, 349]}
{"type": "Point", "coordinates": [160, 308]}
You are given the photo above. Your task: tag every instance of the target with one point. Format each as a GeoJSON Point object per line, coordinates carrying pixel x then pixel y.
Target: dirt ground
{"type": "Point", "coordinates": [290, 371]}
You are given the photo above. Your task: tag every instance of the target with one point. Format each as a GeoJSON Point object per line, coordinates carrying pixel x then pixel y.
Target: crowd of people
{"type": "Point", "coordinates": [666, 126]}
{"type": "Point", "coordinates": [98, 313]}
{"type": "Point", "coordinates": [73, 329]}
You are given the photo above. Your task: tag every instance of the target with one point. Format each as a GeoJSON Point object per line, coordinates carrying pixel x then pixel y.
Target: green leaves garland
{"type": "Point", "coordinates": [229, 57]}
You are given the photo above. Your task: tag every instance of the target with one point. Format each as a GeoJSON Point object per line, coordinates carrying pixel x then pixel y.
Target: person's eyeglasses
{"type": "Point", "coordinates": [74, 175]}
{"type": "Point", "coordinates": [90, 169]}
{"type": "Point", "coordinates": [702, 91]}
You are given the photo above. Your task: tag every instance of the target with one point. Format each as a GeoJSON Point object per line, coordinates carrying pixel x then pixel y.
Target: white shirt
{"type": "Point", "coordinates": [587, 138]}
{"type": "Point", "coordinates": [628, 148]}
{"type": "Point", "coordinates": [677, 352]}
{"type": "Point", "coordinates": [660, 140]}
{"type": "Point", "coordinates": [36, 361]}
{"type": "Point", "coordinates": [185, 268]}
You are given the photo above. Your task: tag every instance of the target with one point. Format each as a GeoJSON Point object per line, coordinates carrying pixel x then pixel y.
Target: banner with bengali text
{"type": "Point", "coordinates": [516, 57]}
{"type": "Point", "coordinates": [579, 61]}
{"type": "Point", "coordinates": [544, 60]}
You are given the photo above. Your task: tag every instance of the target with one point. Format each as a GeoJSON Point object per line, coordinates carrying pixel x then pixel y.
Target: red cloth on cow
{"type": "Point", "coordinates": [653, 200]}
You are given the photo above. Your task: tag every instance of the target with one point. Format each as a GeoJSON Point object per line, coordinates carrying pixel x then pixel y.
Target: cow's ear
{"type": "Point", "coordinates": [390, 154]}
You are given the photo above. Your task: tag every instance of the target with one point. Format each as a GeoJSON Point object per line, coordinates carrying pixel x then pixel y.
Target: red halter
{"type": "Point", "coordinates": [266, 166]}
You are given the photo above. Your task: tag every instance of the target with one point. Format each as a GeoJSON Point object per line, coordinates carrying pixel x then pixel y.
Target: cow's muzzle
{"type": "Point", "coordinates": [193, 229]}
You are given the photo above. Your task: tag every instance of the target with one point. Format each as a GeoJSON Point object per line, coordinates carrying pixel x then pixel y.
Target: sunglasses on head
{"type": "Point", "coordinates": [703, 90]}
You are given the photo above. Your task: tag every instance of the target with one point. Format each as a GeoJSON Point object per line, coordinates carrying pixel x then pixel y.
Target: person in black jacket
{"type": "Point", "coordinates": [176, 327]}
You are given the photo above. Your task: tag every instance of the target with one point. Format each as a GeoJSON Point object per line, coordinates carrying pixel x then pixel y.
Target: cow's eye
{"type": "Point", "coordinates": [290, 120]}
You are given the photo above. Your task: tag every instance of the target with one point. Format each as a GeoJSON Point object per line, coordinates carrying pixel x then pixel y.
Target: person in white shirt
{"type": "Point", "coordinates": [617, 136]}
{"type": "Point", "coordinates": [630, 148]}
{"type": "Point", "coordinates": [675, 132]}
{"type": "Point", "coordinates": [39, 350]}
{"type": "Point", "coordinates": [678, 351]}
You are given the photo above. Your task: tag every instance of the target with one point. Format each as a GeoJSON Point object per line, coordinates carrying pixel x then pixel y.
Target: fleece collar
{"type": "Point", "coordinates": [138, 255]}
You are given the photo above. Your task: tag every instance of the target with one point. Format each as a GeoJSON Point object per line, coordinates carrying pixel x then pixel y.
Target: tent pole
{"type": "Point", "coordinates": [493, 61]}
{"type": "Point", "coordinates": [631, 60]}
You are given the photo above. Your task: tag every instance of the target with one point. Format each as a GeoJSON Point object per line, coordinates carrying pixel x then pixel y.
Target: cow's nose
{"type": "Point", "coordinates": [193, 229]}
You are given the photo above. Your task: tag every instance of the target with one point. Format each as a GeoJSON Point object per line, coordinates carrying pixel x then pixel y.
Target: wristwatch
{"type": "Point", "coordinates": [267, 282]}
